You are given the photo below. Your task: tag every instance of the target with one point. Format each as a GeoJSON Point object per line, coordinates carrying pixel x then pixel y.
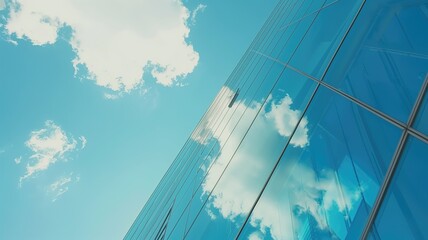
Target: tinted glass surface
{"type": "Point", "coordinates": [323, 37]}
{"type": "Point", "coordinates": [421, 121]}
{"type": "Point", "coordinates": [403, 213]}
{"type": "Point", "coordinates": [232, 185]}
{"type": "Point", "coordinates": [384, 59]}
{"type": "Point", "coordinates": [325, 189]}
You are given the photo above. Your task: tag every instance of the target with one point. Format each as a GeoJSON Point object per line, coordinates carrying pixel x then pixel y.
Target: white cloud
{"type": "Point", "coordinates": [199, 9]}
{"type": "Point", "coordinates": [61, 186]}
{"type": "Point", "coordinates": [48, 145]}
{"type": "Point", "coordinates": [114, 40]}
{"type": "Point", "coordinates": [83, 141]}
{"type": "Point", "coordinates": [285, 120]}
{"type": "Point", "coordinates": [18, 160]}
{"type": "Point", "coordinates": [255, 236]}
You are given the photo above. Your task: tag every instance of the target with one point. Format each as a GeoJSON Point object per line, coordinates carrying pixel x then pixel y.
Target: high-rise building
{"type": "Point", "coordinates": [321, 132]}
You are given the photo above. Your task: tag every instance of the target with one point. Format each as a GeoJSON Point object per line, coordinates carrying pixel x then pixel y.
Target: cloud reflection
{"type": "Point", "coordinates": [302, 194]}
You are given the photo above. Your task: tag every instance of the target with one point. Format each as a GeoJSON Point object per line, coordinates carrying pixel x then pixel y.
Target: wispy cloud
{"type": "Point", "coordinates": [18, 160]}
{"type": "Point", "coordinates": [146, 35]}
{"type": "Point", "coordinates": [199, 9]}
{"type": "Point", "coordinates": [61, 186]}
{"type": "Point", "coordinates": [110, 96]}
{"type": "Point", "coordinates": [48, 145]}
{"type": "Point", "coordinates": [83, 141]}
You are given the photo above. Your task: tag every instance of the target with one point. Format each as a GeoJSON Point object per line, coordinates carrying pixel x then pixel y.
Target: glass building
{"type": "Point", "coordinates": [320, 132]}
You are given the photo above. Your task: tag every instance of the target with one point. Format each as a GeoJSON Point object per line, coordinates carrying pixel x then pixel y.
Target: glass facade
{"type": "Point", "coordinates": [320, 132]}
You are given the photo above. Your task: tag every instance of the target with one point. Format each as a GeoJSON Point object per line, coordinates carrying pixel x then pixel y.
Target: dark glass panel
{"type": "Point", "coordinates": [384, 59]}
{"type": "Point", "coordinates": [403, 213]}
{"type": "Point", "coordinates": [421, 121]}
{"type": "Point", "coordinates": [323, 37]}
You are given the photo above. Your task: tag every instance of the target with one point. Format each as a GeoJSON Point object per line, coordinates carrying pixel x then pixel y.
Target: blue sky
{"type": "Point", "coordinates": [97, 99]}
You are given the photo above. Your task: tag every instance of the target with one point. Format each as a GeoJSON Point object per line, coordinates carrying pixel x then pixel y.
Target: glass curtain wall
{"type": "Point", "coordinates": [320, 132]}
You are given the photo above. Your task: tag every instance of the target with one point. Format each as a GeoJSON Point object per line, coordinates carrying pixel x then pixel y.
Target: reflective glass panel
{"type": "Point", "coordinates": [302, 11]}
{"type": "Point", "coordinates": [325, 190]}
{"type": "Point", "coordinates": [176, 230]}
{"type": "Point", "coordinates": [279, 38]}
{"type": "Point", "coordinates": [323, 38]}
{"type": "Point", "coordinates": [421, 121]}
{"type": "Point", "coordinates": [232, 184]}
{"type": "Point", "coordinates": [299, 29]}
{"type": "Point", "coordinates": [220, 128]}
{"type": "Point", "coordinates": [384, 59]}
{"type": "Point", "coordinates": [269, 35]}
{"type": "Point", "coordinates": [403, 213]}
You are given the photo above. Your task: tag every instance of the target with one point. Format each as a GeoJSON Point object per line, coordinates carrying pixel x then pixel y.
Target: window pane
{"type": "Point", "coordinates": [280, 38]}
{"type": "Point", "coordinates": [283, 41]}
{"type": "Point", "coordinates": [176, 230]}
{"type": "Point", "coordinates": [421, 121]}
{"type": "Point", "coordinates": [282, 15]}
{"type": "Point", "coordinates": [326, 189]}
{"type": "Point", "coordinates": [272, 24]}
{"type": "Point", "coordinates": [324, 36]}
{"type": "Point", "coordinates": [246, 169]}
{"type": "Point", "coordinates": [403, 213]}
{"type": "Point", "coordinates": [296, 34]}
{"type": "Point", "coordinates": [306, 8]}
{"type": "Point", "coordinates": [223, 123]}
{"type": "Point", "coordinates": [384, 58]}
